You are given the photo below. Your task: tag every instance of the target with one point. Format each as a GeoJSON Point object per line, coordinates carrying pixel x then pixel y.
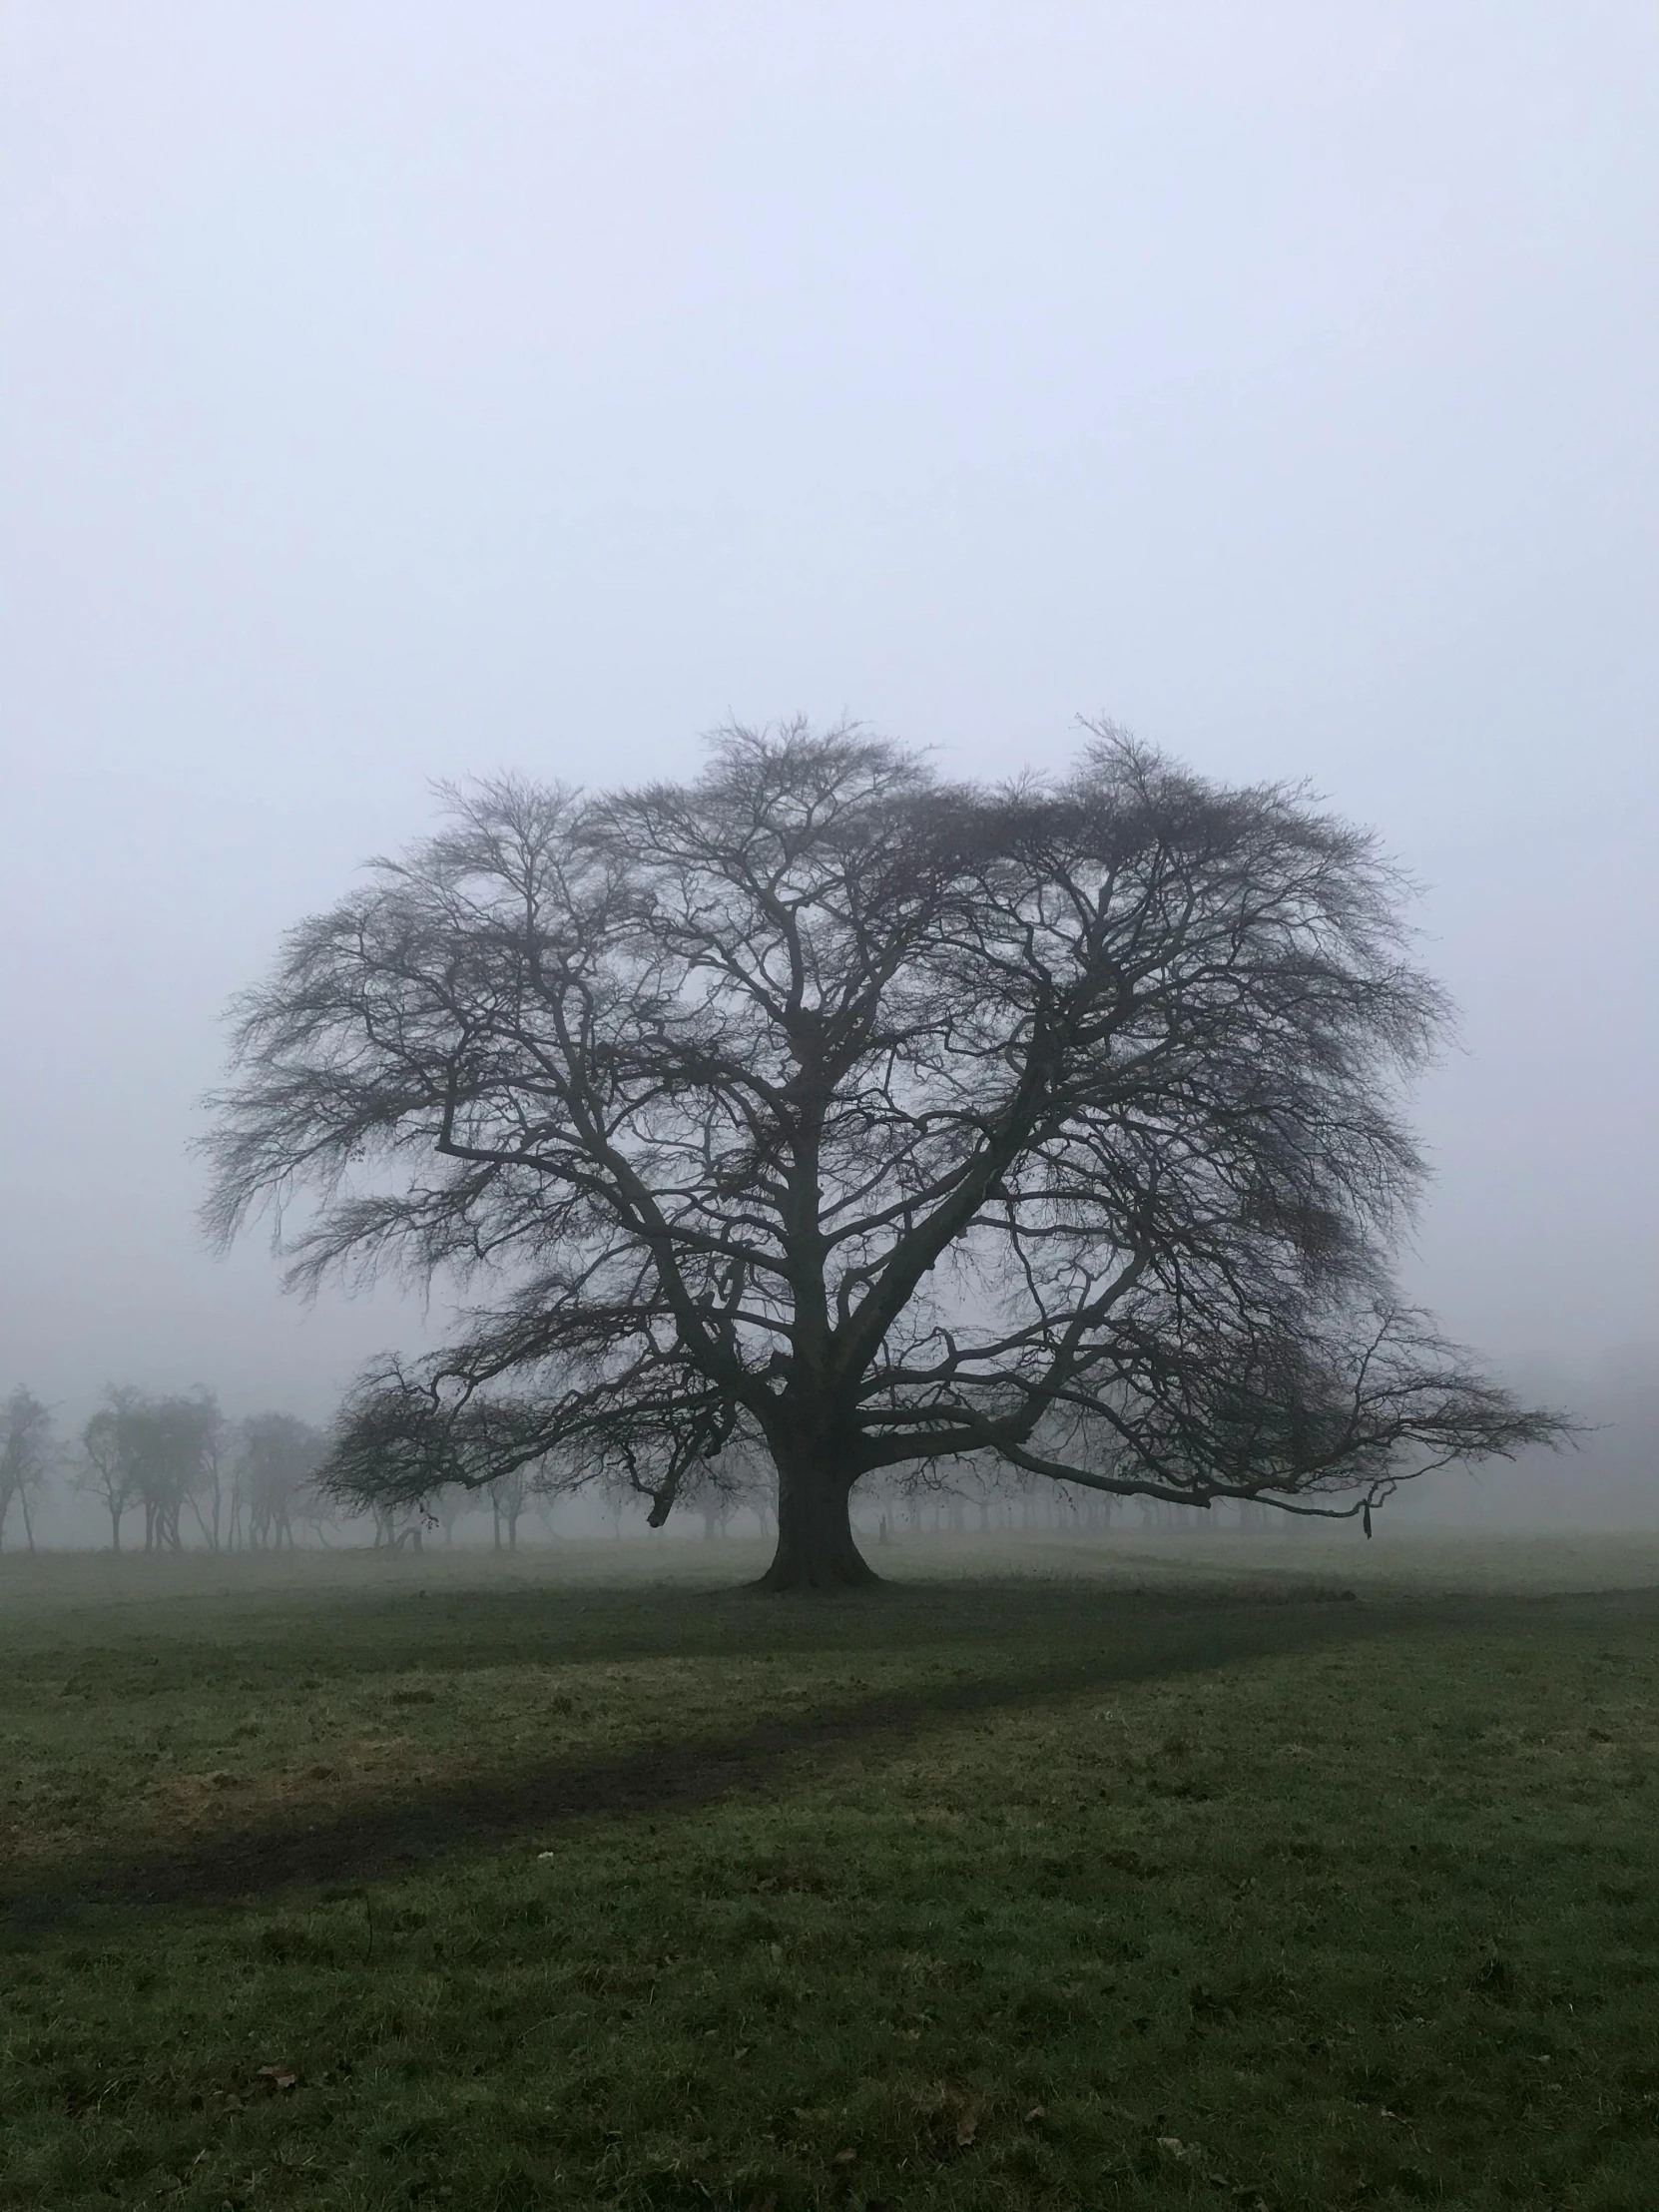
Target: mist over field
{"type": "Point", "coordinates": [405, 394]}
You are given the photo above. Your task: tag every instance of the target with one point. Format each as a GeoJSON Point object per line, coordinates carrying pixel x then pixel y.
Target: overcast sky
{"type": "Point", "coordinates": [393, 391]}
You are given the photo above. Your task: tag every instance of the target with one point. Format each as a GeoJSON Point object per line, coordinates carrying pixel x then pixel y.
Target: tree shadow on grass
{"type": "Point", "coordinates": [400, 1829]}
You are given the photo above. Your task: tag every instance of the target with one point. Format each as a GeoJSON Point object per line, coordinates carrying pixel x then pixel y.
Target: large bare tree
{"type": "Point", "coordinates": [822, 1107]}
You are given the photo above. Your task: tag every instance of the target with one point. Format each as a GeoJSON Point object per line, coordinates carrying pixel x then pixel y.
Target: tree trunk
{"type": "Point", "coordinates": [816, 1550]}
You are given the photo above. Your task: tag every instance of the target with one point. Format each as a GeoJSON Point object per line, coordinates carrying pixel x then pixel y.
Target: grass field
{"type": "Point", "coordinates": [1245, 1874]}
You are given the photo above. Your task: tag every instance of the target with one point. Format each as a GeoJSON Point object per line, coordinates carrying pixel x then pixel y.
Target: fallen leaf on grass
{"type": "Point", "coordinates": [844, 2158]}
{"type": "Point", "coordinates": [1036, 2113]}
{"type": "Point", "coordinates": [277, 2077]}
{"type": "Point", "coordinates": [968, 2127]}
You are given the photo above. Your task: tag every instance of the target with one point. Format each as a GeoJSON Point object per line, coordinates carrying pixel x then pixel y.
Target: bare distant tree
{"type": "Point", "coordinates": [278, 1464]}
{"type": "Point", "coordinates": [176, 1462]}
{"type": "Point", "coordinates": [872, 1122]}
{"type": "Point", "coordinates": [398, 1523]}
{"type": "Point", "coordinates": [160, 1456]}
{"type": "Point", "coordinates": [314, 1510]}
{"type": "Point", "coordinates": [105, 1471]}
{"type": "Point", "coordinates": [28, 1453]}
{"type": "Point", "coordinates": [508, 1496]}
{"type": "Point", "coordinates": [740, 1480]}
{"type": "Point", "coordinates": [207, 1495]}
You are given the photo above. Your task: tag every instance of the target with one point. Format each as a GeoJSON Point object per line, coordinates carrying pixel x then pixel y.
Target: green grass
{"type": "Point", "coordinates": [1153, 1875]}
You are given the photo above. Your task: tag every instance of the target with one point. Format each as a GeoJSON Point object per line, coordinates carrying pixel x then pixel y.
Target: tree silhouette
{"type": "Point", "coordinates": [28, 1453]}
{"type": "Point", "coordinates": [820, 1107]}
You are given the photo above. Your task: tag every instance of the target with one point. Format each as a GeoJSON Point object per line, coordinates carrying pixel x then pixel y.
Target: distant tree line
{"type": "Point", "coordinates": [167, 1471]}
{"type": "Point", "coordinates": [171, 1472]}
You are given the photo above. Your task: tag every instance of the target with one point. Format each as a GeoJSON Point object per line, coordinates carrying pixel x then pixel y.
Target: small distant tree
{"type": "Point", "coordinates": [314, 1512]}
{"type": "Point", "coordinates": [738, 1480]}
{"type": "Point", "coordinates": [157, 1455]}
{"type": "Point", "coordinates": [175, 1456]}
{"type": "Point", "coordinates": [873, 1123]}
{"type": "Point", "coordinates": [106, 1468]}
{"type": "Point", "coordinates": [276, 1467]}
{"type": "Point", "coordinates": [206, 1497]}
{"type": "Point", "coordinates": [445, 1507]}
{"type": "Point", "coordinates": [28, 1453]}
{"type": "Point", "coordinates": [508, 1496]}
{"type": "Point", "coordinates": [399, 1524]}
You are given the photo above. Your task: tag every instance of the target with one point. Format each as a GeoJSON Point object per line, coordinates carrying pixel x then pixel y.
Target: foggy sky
{"type": "Point", "coordinates": [395, 390]}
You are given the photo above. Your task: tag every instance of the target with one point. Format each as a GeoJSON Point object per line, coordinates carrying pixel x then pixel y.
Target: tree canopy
{"type": "Point", "coordinates": [824, 1109]}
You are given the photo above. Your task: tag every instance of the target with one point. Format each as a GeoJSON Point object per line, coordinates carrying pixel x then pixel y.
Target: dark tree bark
{"type": "Point", "coordinates": [821, 1113]}
{"type": "Point", "coordinates": [816, 1547]}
